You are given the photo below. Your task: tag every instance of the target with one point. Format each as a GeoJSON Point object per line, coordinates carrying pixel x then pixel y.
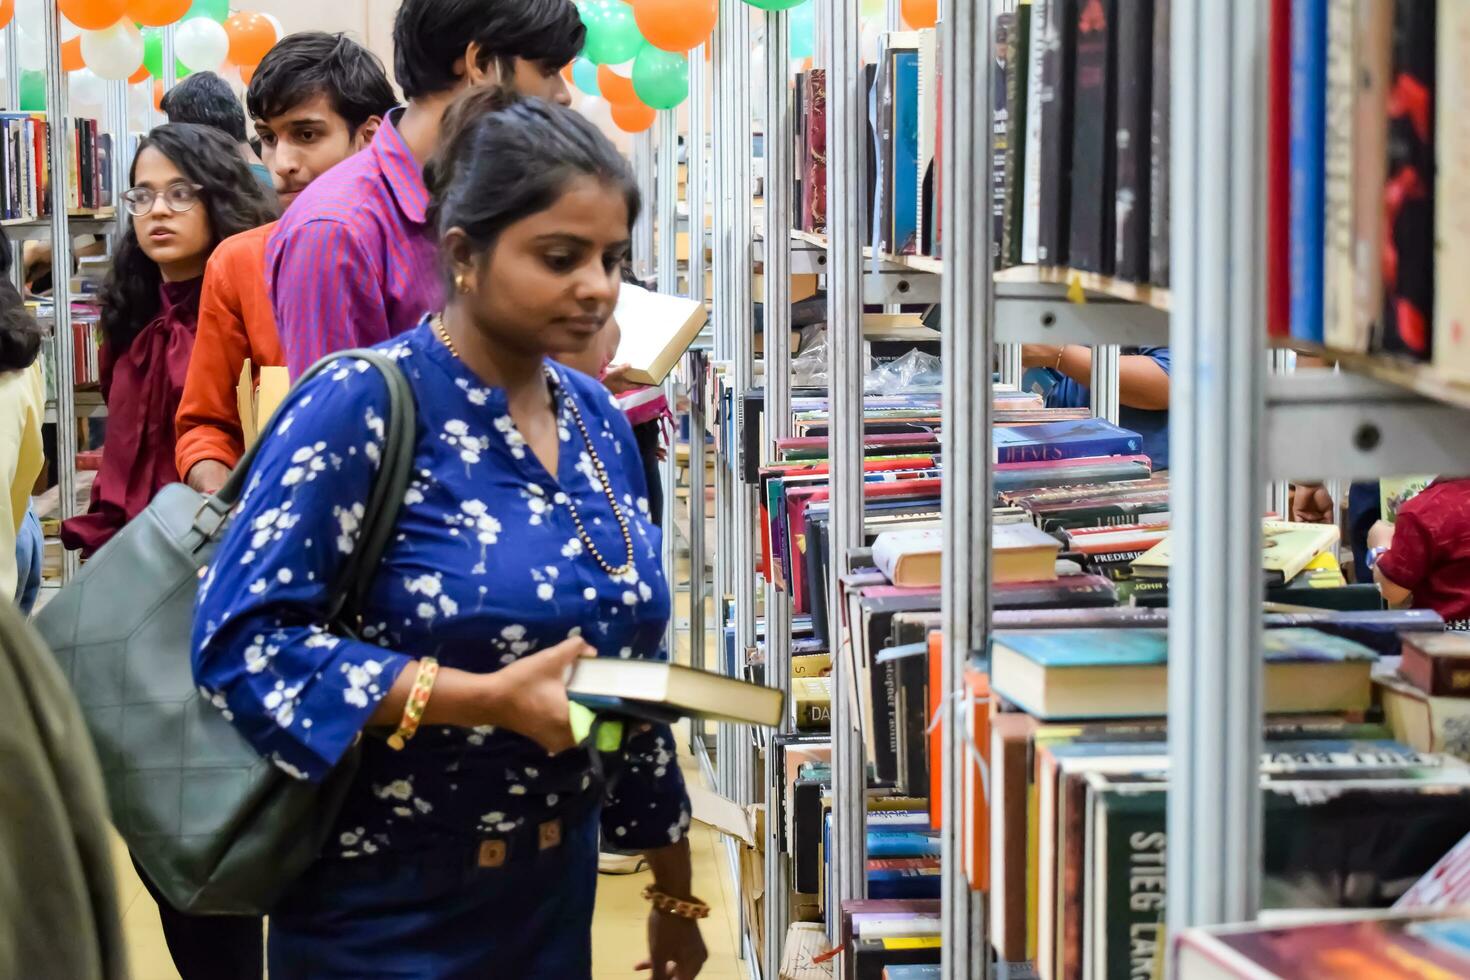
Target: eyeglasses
{"type": "Point", "coordinates": [179, 197]}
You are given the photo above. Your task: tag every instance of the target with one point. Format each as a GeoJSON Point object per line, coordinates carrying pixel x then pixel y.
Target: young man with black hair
{"type": "Point", "coordinates": [206, 99]}
{"type": "Point", "coordinates": [316, 99]}
{"type": "Point", "coordinates": [352, 263]}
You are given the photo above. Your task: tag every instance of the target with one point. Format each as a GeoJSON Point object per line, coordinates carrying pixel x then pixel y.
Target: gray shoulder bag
{"type": "Point", "coordinates": [216, 827]}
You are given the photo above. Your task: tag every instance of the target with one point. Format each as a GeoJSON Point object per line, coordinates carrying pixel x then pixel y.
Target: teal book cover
{"type": "Point", "coordinates": [1150, 647]}
{"type": "Point", "coordinates": [906, 152]}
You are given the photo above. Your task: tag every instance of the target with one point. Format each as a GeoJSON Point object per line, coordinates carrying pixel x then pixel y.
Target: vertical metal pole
{"type": "Point", "coordinates": [1218, 153]}
{"type": "Point", "coordinates": [776, 304]}
{"type": "Point", "coordinates": [697, 188]}
{"type": "Point", "coordinates": [667, 226]}
{"type": "Point", "coordinates": [846, 145]}
{"type": "Point", "coordinates": [1011, 368]}
{"type": "Point", "coordinates": [1278, 494]}
{"type": "Point", "coordinates": [170, 58]}
{"type": "Point", "coordinates": [969, 337]}
{"type": "Point", "coordinates": [644, 171]}
{"type": "Point", "coordinates": [1106, 364]}
{"type": "Point", "coordinates": [60, 147]}
{"type": "Point", "coordinates": [722, 240]}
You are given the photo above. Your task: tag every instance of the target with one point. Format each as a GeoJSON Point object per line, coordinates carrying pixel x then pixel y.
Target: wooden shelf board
{"type": "Point", "coordinates": [1422, 379]}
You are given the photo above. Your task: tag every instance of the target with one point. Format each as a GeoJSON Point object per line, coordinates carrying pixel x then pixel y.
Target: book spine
{"type": "Point", "coordinates": [1408, 259]}
{"type": "Point", "coordinates": [1004, 68]}
{"type": "Point", "coordinates": [1338, 309]}
{"type": "Point", "coordinates": [1308, 115]}
{"type": "Point", "coordinates": [1452, 210]}
{"type": "Point", "coordinates": [1373, 40]}
{"type": "Point", "coordinates": [1133, 144]}
{"type": "Point", "coordinates": [1031, 206]}
{"type": "Point", "coordinates": [1090, 243]}
{"type": "Point", "coordinates": [1017, 93]}
{"type": "Point", "coordinates": [1158, 138]}
{"type": "Point", "coordinates": [816, 178]}
{"type": "Point", "coordinates": [1441, 676]}
{"type": "Point", "coordinates": [1056, 132]}
{"type": "Point", "coordinates": [1073, 449]}
{"type": "Point", "coordinates": [1278, 173]}
{"type": "Point", "coordinates": [1135, 894]}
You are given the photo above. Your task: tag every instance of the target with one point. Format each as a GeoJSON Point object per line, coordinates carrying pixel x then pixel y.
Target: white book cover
{"type": "Point", "coordinates": [656, 331]}
{"type": "Point", "coordinates": [1339, 309]}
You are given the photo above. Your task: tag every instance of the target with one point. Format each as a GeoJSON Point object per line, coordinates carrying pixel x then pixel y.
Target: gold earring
{"type": "Point", "coordinates": [459, 283]}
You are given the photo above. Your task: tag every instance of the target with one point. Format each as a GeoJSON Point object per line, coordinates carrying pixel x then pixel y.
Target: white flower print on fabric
{"type": "Point", "coordinates": [506, 426]}
{"type": "Point", "coordinates": [271, 525]}
{"type": "Point", "coordinates": [307, 463]}
{"type": "Point", "coordinates": [585, 467]}
{"type": "Point", "coordinates": [476, 520]}
{"type": "Point", "coordinates": [476, 395]}
{"type": "Point", "coordinates": [362, 683]}
{"type": "Point", "coordinates": [471, 447]}
{"type": "Point", "coordinates": [349, 523]}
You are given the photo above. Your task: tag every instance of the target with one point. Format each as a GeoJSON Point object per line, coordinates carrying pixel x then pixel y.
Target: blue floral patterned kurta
{"type": "Point", "coordinates": [486, 567]}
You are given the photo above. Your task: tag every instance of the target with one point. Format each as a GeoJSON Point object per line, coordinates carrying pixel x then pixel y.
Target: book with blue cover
{"type": "Point", "coordinates": [1077, 439]}
{"type": "Point", "coordinates": [905, 152]}
{"type": "Point", "coordinates": [1308, 166]}
{"type": "Point", "coordinates": [1120, 673]}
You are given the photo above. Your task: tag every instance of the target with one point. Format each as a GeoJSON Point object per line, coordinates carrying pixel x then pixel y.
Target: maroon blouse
{"type": "Point", "coordinates": [142, 389]}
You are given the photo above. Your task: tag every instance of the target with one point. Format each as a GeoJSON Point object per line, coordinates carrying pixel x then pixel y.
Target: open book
{"type": "Point", "coordinates": [258, 402]}
{"type": "Point", "coordinates": [656, 331]}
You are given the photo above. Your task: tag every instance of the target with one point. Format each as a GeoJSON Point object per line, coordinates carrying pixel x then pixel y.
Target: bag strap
{"type": "Point", "coordinates": [395, 468]}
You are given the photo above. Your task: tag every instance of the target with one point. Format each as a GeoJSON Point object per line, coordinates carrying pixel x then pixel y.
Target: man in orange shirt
{"type": "Point", "coordinates": [316, 99]}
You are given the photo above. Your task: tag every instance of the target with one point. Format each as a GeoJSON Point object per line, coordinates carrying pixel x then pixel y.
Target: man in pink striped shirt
{"type": "Point", "coordinates": [352, 262]}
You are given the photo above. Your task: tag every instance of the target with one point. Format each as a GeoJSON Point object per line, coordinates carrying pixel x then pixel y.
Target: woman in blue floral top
{"type": "Point", "coordinates": [523, 542]}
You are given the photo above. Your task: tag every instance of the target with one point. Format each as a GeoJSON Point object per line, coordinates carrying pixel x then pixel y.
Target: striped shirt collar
{"type": "Point", "coordinates": [401, 172]}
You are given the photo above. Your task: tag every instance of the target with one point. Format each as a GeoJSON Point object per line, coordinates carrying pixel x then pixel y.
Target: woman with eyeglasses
{"type": "Point", "coordinates": [189, 191]}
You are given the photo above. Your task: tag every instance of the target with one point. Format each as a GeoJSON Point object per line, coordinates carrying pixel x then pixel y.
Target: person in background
{"type": "Point", "coordinates": [465, 850]}
{"type": "Point", "coordinates": [1143, 389]}
{"type": "Point", "coordinates": [22, 458]}
{"type": "Point", "coordinates": [316, 99]}
{"type": "Point", "coordinates": [205, 99]}
{"type": "Point", "coordinates": [1423, 558]}
{"type": "Point", "coordinates": [352, 263]}
{"type": "Point", "coordinates": [189, 190]}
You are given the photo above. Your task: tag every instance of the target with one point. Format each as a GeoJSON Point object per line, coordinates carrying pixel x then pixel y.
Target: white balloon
{"type": "Point", "coordinates": [32, 51]}
{"type": "Point", "coordinates": [624, 70]}
{"type": "Point", "coordinates": [598, 111]}
{"type": "Point", "coordinates": [201, 44]}
{"type": "Point", "coordinates": [276, 23]}
{"type": "Point", "coordinates": [114, 53]}
{"type": "Point", "coordinates": [87, 89]}
{"type": "Point", "coordinates": [68, 29]}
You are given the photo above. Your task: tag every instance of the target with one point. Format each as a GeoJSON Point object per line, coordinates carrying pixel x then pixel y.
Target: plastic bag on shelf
{"type": "Point", "coordinates": [915, 369]}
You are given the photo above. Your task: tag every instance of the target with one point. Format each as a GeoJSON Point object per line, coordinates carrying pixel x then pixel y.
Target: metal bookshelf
{"type": "Point", "coordinates": [69, 405]}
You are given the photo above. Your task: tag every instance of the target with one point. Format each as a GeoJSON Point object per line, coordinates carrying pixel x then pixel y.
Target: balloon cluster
{"type": "Point", "coordinates": [114, 40]}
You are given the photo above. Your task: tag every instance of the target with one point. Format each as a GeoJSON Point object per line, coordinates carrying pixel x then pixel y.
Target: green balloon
{"type": "Point", "coordinates": [775, 4]}
{"type": "Point", "coordinates": [153, 51]}
{"type": "Point", "coordinates": [612, 32]}
{"type": "Point", "coordinates": [215, 10]}
{"type": "Point", "coordinates": [181, 70]}
{"type": "Point", "coordinates": [32, 91]}
{"type": "Point", "coordinates": [661, 78]}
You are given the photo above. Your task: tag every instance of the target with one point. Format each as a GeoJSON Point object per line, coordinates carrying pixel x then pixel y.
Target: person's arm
{"type": "Point", "coordinates": [263, 651]}
{"type": "Point", "coordinates": [210, 438]}
{"type": "Point", "coordinates": [1311, 504]}
{"type": "Point", "coordinates": [327, 292]}
{"type": "Point", "coordinates": [1409, 558]}
{"type": "Point", "coordinates": [1143, 383]}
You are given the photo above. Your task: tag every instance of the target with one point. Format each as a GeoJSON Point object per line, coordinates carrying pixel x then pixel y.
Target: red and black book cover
{"type": "Point", "coordinates": [1094, 128]}
{"type": "Point", "coordinates": [1278, 174]}
{"type": "Point", "coordinates": [1408, 246]}
{"type": "Point", "coordinates": [814, 183]}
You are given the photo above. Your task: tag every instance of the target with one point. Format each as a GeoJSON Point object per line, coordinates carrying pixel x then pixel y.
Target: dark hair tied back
{"type": "Point", "coordinates": [505, 157]}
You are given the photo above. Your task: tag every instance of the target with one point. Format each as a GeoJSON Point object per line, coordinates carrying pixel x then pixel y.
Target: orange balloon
{"type": "Point", "coordinates": [676, 25]}
{"type": "Point", "coordinates": [632, 117]}
{"type": "Point", "coordinates": [566, 71]}
{"type": "Point", "coordinates": [247, 74]}
{"type": "Point", "coordinates": [158, 13]}
{"type": "Point", "coordinates": [71, 55]}
{"type": "Point", "coordinates": [251, 36]}
{"type": "Point", "coordinates": [93, 15]}
{"type": "Point", "coordinates": [141, 75]}
{"type": "Point", "coordinates": [158, 94]}
{"type": "Point", "coordinates": [7, 13]}
{"type": "Point", "coordinates": [614, 87]}
{"type": "Point", "coordinates": [919, 14]}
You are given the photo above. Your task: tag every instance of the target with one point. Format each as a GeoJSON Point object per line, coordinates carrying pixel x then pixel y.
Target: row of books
{"type": "Point", "coordinates": [25, 165]}
{"type": "Point", "coordinates": [1080, 174]}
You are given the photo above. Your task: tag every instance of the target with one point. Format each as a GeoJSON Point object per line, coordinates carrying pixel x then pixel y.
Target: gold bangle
{"type": "Point", "coordinates": [418, 700]}
{"type": "Point", "coordinates": [1061, 353]}
{"type": "Point", "coordinates": [691, 908]}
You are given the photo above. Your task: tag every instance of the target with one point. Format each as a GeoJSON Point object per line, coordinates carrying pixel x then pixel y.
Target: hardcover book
{"type": "Point", "coordinates": [1133, 145]}
{"type": "Point", "coordinates": [1057, 63]}
{"type": "Point", "coordinates": [1064, 440]}
{"type": "Point", "coordinates": [1308, 135]}
{"type": "Point", "coordinates": [1094, 127]}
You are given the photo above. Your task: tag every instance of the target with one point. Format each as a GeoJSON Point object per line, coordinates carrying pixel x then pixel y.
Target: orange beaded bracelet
{"type": "Point", "coordinates": [418, 700]}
